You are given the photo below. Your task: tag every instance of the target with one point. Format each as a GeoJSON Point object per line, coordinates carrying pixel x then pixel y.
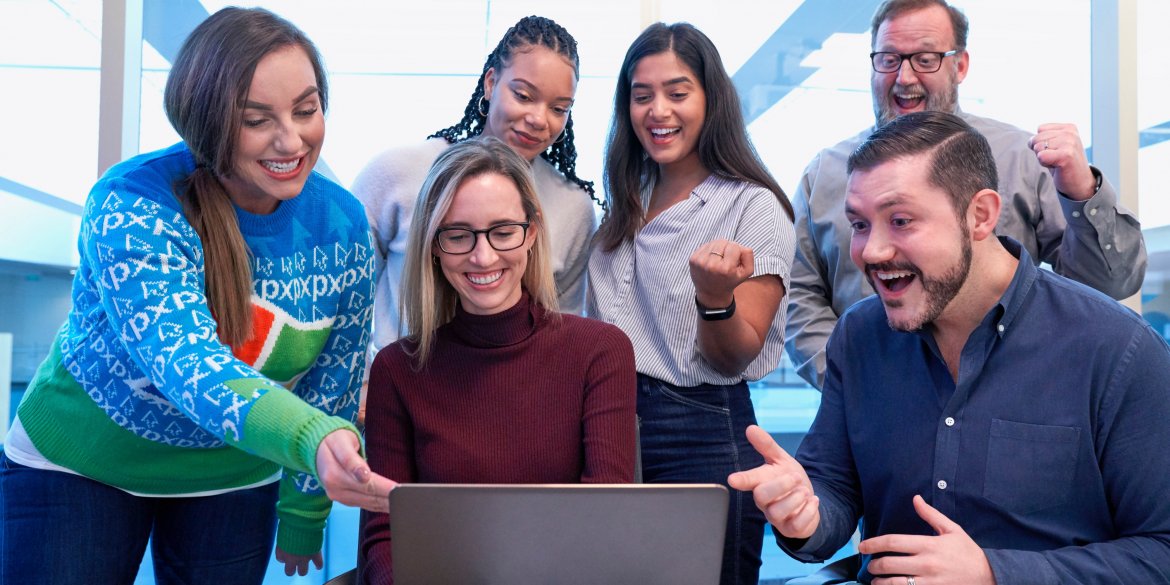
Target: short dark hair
{"type": "Point", "coordinates": [961, 162]}
{"type": "Point", "coordinates": [894, 8]}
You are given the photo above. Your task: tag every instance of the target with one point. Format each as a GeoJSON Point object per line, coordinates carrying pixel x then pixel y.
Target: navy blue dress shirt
{"type": "Point", "coordinates": [1052, 449]}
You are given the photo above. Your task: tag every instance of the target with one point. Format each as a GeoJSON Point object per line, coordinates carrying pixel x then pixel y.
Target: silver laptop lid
{"type": "Point", "coordinates": [640, 534]}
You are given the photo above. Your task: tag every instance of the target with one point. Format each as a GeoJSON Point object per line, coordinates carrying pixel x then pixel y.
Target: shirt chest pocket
{"type": "Point", "coordinates": [1030, 467]}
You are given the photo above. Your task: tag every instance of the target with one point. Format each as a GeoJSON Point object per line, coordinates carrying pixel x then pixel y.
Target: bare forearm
{"type": "Point", "coordinates": [729, 345]}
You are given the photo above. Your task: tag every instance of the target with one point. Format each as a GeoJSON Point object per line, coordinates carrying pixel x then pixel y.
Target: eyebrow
{"type": "Point", "coordinates": [888, 203]}
{"type": "Point", "coordinates": [533, 88]}
{"type": "Point", "coordinates": [675, 81]}
{"type": "Point", "coordinates": [925, 46]}
{"type": "Point", "coordinates": [891, 202]}
{"type": "Point", "coordinates": [312, 89]}
{"type": "Point", "coordinates": [493, 223]}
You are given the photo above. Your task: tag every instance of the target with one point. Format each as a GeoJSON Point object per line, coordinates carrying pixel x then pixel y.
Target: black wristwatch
{"type": "Point", "coordinates": [718, 314]}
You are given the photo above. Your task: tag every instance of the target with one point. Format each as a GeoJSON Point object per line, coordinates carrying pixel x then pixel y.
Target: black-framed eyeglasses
{"type": "Point", "coordinates": [502, 237]}
{"type": "Point", "coordinates": [922, 62]}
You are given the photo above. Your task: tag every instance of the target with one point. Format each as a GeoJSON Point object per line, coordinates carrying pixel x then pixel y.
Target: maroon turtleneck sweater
{"type": "Point", "coordinates": [515, 397]}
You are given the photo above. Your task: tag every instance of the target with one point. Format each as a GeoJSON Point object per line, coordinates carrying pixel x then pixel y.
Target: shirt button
{"type": "Point", "coordinates": [999, 327]}
{"type": "Point", "coordinates": [1076, 214]}
{"type": "Point", "coordinates": [1093, 211]}
{"type": "Point", "coordinates": [1108, 246]}
{"type": "Point", "coordinates": [942, 484]}
{"type": "Point", "coordinates": [950, 421]}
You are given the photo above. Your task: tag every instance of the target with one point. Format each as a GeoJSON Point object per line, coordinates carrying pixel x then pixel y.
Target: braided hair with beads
{"type": "Point", "coordinates": [530, 31]}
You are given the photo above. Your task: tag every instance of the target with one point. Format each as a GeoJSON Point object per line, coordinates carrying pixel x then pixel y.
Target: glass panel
{"type": "Point", "coordinates": [1153, 112]}
{"type": "Point", "coordinates": [1153, 117]}
{"type": "Point", "coordinates": [48, 155]}
{"type": "Point", "coordinates": [804, 70]}
{"type": "Point", "coordinates": [401, 72]}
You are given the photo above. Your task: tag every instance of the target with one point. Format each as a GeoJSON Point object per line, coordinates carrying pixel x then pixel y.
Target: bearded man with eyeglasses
{"type": "Point", "coordinates": [1055, 204]}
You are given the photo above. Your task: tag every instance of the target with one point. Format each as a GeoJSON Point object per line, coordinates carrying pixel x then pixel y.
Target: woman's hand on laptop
{"type": "Point", "coordinates": [780, 488]}
{"type": "Point", "coordinates": [347, 477]}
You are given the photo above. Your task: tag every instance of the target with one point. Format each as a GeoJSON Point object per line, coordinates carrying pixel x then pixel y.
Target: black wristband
{"type": "Point", "coordinates": [709, 314]}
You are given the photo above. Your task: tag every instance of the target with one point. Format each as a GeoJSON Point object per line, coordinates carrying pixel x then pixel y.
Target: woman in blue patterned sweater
{"type": "Point", "coordinates": [206, 380]}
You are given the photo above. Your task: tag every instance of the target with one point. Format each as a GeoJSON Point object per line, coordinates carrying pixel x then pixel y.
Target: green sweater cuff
{"type": "Point", "coordinates": [283, 428]}
{"type": "Point", "coordinates": [302, 519]}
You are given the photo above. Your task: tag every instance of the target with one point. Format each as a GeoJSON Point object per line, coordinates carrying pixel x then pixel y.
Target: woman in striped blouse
{"type": "Point", "coordinates": [692, 263]}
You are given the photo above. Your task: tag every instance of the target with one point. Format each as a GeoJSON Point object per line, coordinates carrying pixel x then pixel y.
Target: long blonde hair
{"type": "Point", "coordinates": [204, 100]}
{"type": "Point", "coordinates": [428, 301]}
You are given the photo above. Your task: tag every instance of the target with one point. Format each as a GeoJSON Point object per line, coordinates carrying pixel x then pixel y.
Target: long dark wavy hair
{"type": "Point", "coordinates": [204, 100]}
{"type": "Point", "coordinates": [531, 31]}
{"type": "Point", "coordinates": [723, 146]}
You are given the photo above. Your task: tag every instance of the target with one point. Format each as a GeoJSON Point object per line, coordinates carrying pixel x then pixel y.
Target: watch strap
{"type": "Point", "coordinates": [715, 314]}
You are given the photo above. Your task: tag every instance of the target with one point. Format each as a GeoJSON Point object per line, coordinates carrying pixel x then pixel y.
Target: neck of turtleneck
{"type": "Point", "coordinates": [508, 327]}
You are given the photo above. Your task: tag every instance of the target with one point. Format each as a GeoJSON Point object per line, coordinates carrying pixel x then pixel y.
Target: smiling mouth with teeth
{"type": "Point", "coordinates": [282, 168]}
{"type": "Point", "coordinates": [664, 131]}
{"type": "Point", "coordinates": [893, 281]}
{"type": "Point", "coordinates": [485, 278]}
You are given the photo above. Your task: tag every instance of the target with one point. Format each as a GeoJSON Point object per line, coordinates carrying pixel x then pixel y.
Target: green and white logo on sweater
{"type": "Point", "coordinates": [282, 347]}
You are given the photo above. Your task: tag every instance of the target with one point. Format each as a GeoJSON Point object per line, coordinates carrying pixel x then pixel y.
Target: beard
{"type": "Point", "coordinates": [946, 100]}
{"type": "Point", "coordinates": [938, 291]}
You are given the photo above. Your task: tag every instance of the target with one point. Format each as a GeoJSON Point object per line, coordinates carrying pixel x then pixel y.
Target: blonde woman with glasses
{"type": "Point", "coordinates": [491, 384]}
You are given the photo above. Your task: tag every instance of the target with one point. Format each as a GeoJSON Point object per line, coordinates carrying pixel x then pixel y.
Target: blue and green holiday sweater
{"type": "Point", "coordinates": [139, 392]}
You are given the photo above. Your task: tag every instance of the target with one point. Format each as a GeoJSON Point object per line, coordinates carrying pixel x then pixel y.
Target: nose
{"type": "Point", "coordinates": [288, 139]}
{"type": "Point", "coordinates": [875, 247]}
{"type": "Point", "coordinates": [483, 254]}
{"type": "Point", "coordinates": [906, 74]}
{"type": "Point", "coordinates": [659, 108]}
{"type": "Point", "coordinates": [536, 117]}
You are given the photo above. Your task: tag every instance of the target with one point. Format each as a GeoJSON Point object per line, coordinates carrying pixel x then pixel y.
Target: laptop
{"type": "Point", "coordinates": [570, 534]}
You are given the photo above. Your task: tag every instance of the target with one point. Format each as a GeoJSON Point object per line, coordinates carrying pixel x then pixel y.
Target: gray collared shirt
{"type": "Point", "coordinates": [1096, 242]}
{"type": "Point", "coordinates": [644, 285]}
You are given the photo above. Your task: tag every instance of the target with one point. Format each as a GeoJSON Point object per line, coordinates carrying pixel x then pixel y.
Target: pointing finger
{"type": "Point", "coordinates": [937, 520]}
{"type": "Point", "coordinates": [766, 446]}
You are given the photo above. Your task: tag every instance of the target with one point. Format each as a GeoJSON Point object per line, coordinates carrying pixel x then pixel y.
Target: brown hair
{"type": "Point", "coordinates": [204, 100]}
{"type": "Point", "coordinates": [893, 8]}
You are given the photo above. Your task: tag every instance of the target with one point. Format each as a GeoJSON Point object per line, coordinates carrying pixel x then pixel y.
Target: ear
{"type": "Point", "coordinates": [489, 83]}
{"type": "Point", "coordinates": [962, 62]}
{"type": "Point", "coordinates": [983, 214]}
{"type": "Point", "coordinates": [533, 228]}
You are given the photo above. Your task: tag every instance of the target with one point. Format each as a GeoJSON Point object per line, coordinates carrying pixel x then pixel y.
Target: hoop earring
{"type": "Point", "coordinates": [482, 107]}
{"type": "Point", "coordinates": [560, 138]}
{"type": "Point", "coordinates": [435, 259]}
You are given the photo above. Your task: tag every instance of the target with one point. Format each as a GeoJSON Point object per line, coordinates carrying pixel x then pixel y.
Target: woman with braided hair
{"type": "Point", "coordinates": [523, 97]}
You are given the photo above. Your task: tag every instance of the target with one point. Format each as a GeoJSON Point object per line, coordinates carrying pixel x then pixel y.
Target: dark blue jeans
{"type": "Point", "coordinates": [65, 529]}
{"type": "Point", "coordinates": [696, 435]}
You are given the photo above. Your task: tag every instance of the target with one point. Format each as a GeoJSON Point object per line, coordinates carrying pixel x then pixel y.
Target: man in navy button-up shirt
{"type": "Point", "coordinates": [988, 422]}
